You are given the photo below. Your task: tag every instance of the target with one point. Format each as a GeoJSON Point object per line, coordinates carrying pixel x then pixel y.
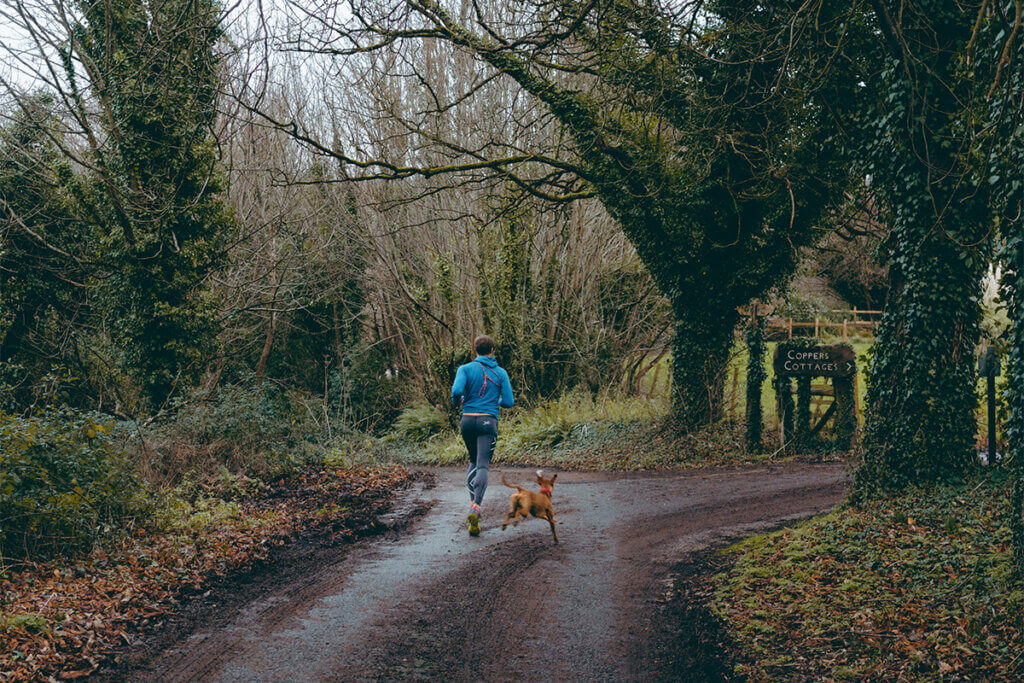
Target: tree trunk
{"type": "Point", "coordinates": [268, 343]}
{"type": "Point", "coordinates": [921, 422]}
{"type": "Point", "coordinates": [700, 360]}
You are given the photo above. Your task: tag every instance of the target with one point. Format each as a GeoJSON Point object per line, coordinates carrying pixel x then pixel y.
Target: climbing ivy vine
{"type": "Point", "coordinates": [153, 202]}
{"type": "Point", "coordinates": [756, 374]}
{"type": "Point", "coordinates": [921, 419]}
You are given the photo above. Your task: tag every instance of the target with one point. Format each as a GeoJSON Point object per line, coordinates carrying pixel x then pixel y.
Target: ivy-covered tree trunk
{"type": "Point", "coordinates": [921, 422]}
{"type": "Point", "coordinates": [756, 375]}
{"type": "Point", "coordinates": [1013, 296]}
{"type": "Point", "coordinates": [700, 359]}
{"type": "Point", "coordinates": [785, 410]}
{"type": "Point", "coordinates": [153, 201]}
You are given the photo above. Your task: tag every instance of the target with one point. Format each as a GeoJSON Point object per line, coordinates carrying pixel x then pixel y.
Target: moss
{"type": "Point", "coordinates": [29, 622]}
{"type": "Point", "coordinates": [873, 590]}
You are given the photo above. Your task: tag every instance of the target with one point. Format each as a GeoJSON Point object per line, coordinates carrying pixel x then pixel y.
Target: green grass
{"type": "Point", "coordinates": [909, 587]}
{"type": "Point", "coordinates": [578, 432]}
{"type": "Point", "coordinates": [612, 432]}
{"type": "Point", "coordinates": [530, 434]}
{"type": "Point", "coordinates": [736, 384]}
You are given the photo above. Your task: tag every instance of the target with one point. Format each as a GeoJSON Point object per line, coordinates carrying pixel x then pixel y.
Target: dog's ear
{"type": "Point", "coordinates": [553, 477]}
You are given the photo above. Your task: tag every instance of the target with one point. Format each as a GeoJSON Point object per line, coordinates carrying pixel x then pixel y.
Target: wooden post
{"type": "Point", "coordinates": [791, 327]}
{"type": "Point", "coordinates": [990, 382]}
{"type": "Point", "coordinates": [845, 420]}
{"type": "Point", "coordinates": [856, 396]}
{"type": "Point", "coordinates": [845, 337]}
{"type": "Point", "coordinates": [801, 435]}
{"type": "Point", "coordinates": [815, 327]}
{"type": "Point", "coordinates": [784, 409]}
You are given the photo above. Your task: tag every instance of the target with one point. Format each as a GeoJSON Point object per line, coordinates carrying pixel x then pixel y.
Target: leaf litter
{"type": "Point", "coordinates": [61, 619]}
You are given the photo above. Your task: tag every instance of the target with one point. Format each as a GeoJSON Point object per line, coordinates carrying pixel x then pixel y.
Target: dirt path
{"type": "Point", "coordinates": [433, 602]}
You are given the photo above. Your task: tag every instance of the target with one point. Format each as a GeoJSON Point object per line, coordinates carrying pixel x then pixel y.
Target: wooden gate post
{"type": "Point", "coordinates": [803, 413]}
{"type": "Point", "coordinates": [784, 409]}
{"type": "Point", "coordinates": [846, 414]}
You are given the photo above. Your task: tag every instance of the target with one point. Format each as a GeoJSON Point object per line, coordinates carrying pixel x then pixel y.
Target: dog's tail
{"type": "Point", "coordinates": [511, 486]}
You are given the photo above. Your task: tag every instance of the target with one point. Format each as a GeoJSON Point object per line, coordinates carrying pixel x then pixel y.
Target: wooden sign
{"type": "Point", "coordinates": [835, 360]}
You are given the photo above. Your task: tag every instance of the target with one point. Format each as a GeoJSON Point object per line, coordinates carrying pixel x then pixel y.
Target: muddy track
{"type": "Point", "coordinates": [432, 602]}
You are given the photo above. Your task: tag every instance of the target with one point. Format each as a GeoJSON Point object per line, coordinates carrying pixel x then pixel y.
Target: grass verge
{"type": "Point", "coordinates": [61, 619]}
{"type": "Point", "coordinates": [578, 432]}
{"type": "Point", "coordinates": [910, 587]}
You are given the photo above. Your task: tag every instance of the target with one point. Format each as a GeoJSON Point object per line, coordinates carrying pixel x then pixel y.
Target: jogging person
{"type": "Point", "coordinates": [482, 389]}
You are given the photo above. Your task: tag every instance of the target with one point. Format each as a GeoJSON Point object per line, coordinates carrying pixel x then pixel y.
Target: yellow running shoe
{"type": "Point", "coordinates": [474, 520]}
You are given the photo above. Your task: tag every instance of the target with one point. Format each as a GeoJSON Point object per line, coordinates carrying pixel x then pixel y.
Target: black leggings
{"type": "Point", "coordinates": [480, 433]}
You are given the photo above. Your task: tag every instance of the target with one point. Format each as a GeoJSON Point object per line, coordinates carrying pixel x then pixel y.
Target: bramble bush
{"type": "Point", "coordinates": [255, 428]}
{"type": "Point", "coordinates": [65, 481]}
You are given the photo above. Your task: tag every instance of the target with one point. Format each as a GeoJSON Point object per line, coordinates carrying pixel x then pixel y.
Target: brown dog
{"type": "Point", "coordinates": [525, 503]}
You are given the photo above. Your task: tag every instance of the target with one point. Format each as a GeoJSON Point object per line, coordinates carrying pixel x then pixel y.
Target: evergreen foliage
{"type": "Point", "coordinates": [756, 374]}
{"type": "Point", "coordinates": [921, 420]}
{"type": "Point", "coordinates": [42, 291]}
{"type": "Point", "coordinates": [64, 482]}
{"type": "Point", "coordinates": [153, 204]}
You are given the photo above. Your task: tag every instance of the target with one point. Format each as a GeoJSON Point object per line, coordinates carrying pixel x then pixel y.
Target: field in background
{"type": "Point", "coordinates": [736, 387]}
{"type": "Point", "coordinates": [736, 383]}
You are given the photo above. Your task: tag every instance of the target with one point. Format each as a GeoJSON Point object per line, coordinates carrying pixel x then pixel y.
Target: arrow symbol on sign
{"type": "Point", "coordinates": [849, 366]}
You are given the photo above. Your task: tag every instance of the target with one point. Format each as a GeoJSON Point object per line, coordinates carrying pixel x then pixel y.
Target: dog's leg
{"type": "Point", "coordinates": [520, 515]}
{"type": "Point", "coordinates": [513, 507]}
{"type": "Point", "coordinates": [551, 521]}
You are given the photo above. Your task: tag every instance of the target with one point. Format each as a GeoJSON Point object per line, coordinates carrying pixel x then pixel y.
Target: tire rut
{"type": "Point", "coordinates": [510, 604]}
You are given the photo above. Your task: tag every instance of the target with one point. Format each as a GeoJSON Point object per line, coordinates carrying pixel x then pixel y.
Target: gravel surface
{"type": "Point", "coordinates": [431, 601]}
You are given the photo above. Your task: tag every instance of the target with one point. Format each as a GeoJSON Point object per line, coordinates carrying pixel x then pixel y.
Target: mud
{"type": "Point", "coordinates": [617, 599]}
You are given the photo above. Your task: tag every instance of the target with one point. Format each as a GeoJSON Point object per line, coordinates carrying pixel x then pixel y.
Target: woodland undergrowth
{"type": "Point", "coordinates": [915, 586]}
{"type": "Point", "coordinates": [63, 618]}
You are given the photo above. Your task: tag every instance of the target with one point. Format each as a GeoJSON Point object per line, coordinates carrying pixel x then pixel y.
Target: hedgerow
{"type": "Point", "coordinates": [65, 481]}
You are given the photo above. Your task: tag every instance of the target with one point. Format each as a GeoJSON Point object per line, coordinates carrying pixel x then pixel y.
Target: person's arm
{"type": "Point", "coordinates": [459, 387]}
{"type": "Point", "coordinates": [507, 400]}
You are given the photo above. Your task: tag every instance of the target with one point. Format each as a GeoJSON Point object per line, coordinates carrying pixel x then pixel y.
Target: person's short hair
{"type": "Point", "coordinates": [483, 345]}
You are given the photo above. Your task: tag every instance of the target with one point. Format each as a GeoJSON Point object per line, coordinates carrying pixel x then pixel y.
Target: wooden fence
{"type": "Point", "coordinates": [854, 321]}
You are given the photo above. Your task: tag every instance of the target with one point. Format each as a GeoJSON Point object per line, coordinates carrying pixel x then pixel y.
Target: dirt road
{"type": "Point", "coordinates": [433, 602]}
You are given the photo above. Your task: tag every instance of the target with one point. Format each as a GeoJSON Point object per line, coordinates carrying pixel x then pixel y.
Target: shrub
{"type": "Point", "coordinates": [375, 396]}
{"type": "Point", "coordinates": [64, 482]}
{"type": "Point", "coordinates": [544, 427]}
{"type": "Point", "coordinates": [420, 422]}
{"type": "Point", "coordinates": [248, 427]}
